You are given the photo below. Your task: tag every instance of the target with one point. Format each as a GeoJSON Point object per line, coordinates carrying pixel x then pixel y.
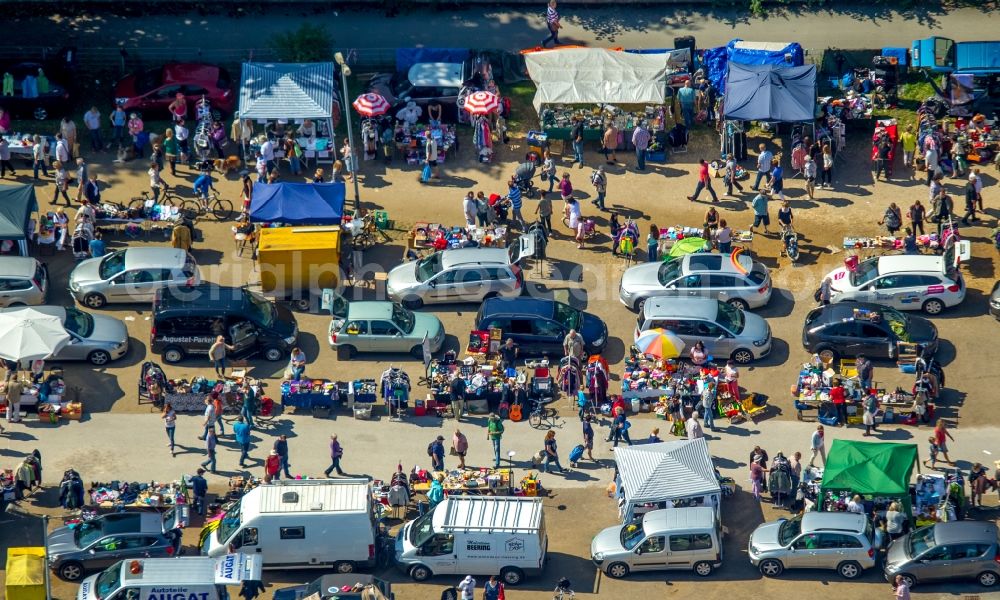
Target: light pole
{"type": "Point", "coordinates": [344, 72]}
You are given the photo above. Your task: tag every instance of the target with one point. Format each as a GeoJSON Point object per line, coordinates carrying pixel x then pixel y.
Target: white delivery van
{"type": "Point", "coordinates": [301, 524]}
{"type": "Point", "coordinates": [476, 535]}
{"type": "Point", "coordinates": [184, 578]}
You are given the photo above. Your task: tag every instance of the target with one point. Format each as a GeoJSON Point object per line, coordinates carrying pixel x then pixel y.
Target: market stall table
{"type": "Point", "coordinates": [440, 237]}
{"type": "Point", "coordinates": [21, 145]}
{"type": "Point", "coordinates": [313, 393]}
{"type": "Point", "coordinates": [155, 495]}
{"type": "Point", "coordinates": [478, 482]}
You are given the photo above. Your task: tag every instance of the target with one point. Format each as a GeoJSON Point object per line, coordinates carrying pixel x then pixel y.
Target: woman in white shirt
{"type": "Point", "coordinates": [856, 505]}
{"type": "Point", "coordinates": [724, 237]}
{"type": "Point", "coordinates": [307, 129]}
{"type": "Point", "coordinates": [894, 520]}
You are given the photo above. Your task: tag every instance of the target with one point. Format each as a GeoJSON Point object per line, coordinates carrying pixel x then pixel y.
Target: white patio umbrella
{"type": "Point", "coordinates": [28, 334]}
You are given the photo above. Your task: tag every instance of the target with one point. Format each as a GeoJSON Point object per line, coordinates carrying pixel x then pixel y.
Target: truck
{"type": "Point", "coordinates": [944, 55]}
{"type": "Point", "coordinates": [475, 535]}
{"type": "Point", "coordinates": [314, 523]}
{"type": "Point", "coordinates": [183, 578]}
{"type": "Point", "coordinates": [297, 263]}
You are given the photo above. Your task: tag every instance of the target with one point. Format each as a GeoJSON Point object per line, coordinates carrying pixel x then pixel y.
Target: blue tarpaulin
{"type": "Point", "coordinates": [407, 57]}
{"type": "Point", "coordinates": [298, 203]}
{"type": "Point", "coordinates": [713, 60]}
{"type": "Point", "coordinates": [765, 53]}
{"type": "Point", "coordinates": [899, 53]}
{"type": "Point", "coordinates": [770, 93]}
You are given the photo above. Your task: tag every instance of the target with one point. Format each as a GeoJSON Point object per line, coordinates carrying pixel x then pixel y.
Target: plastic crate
{"type": "Point", "coordinates": [382, 221]}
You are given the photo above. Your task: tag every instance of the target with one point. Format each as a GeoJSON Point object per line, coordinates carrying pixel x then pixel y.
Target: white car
{"type": "Point", "coordinates": [905, 282]}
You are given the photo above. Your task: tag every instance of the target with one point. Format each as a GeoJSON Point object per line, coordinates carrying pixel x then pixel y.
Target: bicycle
{"type": "Point", "coordinates": [220, 208]}
{"type": "Point", "coordinates": [542, 416]}
{"type": "Point", "coordinates": [563, 588]}
{"type": "Point", "coordinates": [166, 197]}
{"type": "Point", "coordinates": [365, 237]}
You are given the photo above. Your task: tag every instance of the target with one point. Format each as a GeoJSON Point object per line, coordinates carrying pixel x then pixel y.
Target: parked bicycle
{"type": "Point", "coordinates": [166, 197]}
{"type": "Point", "coordinates": [220, 208]}
{"type": "Point", "coordinates": [541, 416]}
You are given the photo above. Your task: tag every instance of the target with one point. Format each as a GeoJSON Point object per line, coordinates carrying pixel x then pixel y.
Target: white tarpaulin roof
{"type": "Point", "coordinates": [596, 75]}
{"type": "Point", "coordinates": [666, 471]}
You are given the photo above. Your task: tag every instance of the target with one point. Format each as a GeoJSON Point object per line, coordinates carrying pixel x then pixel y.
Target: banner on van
{"type": "Point", "coordinates": [232, 569]}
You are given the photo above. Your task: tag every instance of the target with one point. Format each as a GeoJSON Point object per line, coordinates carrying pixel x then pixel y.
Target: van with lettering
{"type": "Point", "coordinates": [183, 578]}
{"type": "Point", "coordinates": [300, 524]}
{"type": "Point", "coordinates": [475, 535]}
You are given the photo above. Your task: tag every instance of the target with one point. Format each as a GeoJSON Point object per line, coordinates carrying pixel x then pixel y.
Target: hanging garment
{"type": "Point", "coordinates": [799, 157]}
{"type": "Point", "coordinates": [487, 136]}
{"type": "Point", "coordinates": [29, 87]}
{"type": "Point", "coordinates": [8, 84]}
{"type": "Point", "coordinates": [43, 82]}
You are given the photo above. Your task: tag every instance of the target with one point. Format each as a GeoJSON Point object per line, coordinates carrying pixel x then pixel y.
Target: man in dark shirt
{"type": "Point", "coordinates": [456, 394]}
{"type": "Point", "coordinates": [971, 195]}
{"type": "Point", "coordinates": [437, 454]}
{"type": "Point", "coordinates": [281, 447]}
{"type": "Point", "coordinates": [508, 353]}
{"type": "Point", "coordinates": [882, 162]}
{"type": "Point", "coordinates": [199, 488]}
{"type": "Point", "coordinates": [576, 136]}
{"type": "Point", "coordinates": [758, 451]}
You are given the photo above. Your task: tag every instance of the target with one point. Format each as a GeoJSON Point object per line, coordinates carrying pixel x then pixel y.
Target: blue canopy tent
{"type": "Point", "coordinates": [770, 93]}
{"type": "Point", "coordinates": [298, 203]}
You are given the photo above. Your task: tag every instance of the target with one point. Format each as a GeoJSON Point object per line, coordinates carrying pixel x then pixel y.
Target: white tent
{"type": "Point", "coordinates": [598, 75]}
{"type": "Point", "coordinates": [652, 474]}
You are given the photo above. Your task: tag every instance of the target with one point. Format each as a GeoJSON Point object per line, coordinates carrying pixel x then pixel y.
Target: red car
{"type": "Point", "coordinates": [152, 91]}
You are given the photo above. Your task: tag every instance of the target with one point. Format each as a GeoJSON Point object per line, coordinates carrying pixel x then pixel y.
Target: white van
{"type": "Point", "coordinates": [475, 535]}
{"type": "Point", "coordinates": [184, 578]}
{"type": "Point", "coordinates": [667, 539]}
{"type": "Point", "coordinates": [301, 524]}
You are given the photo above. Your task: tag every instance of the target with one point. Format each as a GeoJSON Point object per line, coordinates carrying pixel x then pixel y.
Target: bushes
{"type": "Point", "coordinates": [309, 43]}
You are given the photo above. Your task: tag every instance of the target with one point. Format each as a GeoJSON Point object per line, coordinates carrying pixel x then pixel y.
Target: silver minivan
{"type": "Point", "coordinates": [946, 552]}
{"type": "Point", "coordinates": [23, 281]}
{"type": "Point", "coordinates": [726, 331]}
{"type": "Point", "coordinates": [131, 275]}
{"type": "Point", "coordinates": [381, 326]}
{"type": "Point", "coordinates": [666, 539]}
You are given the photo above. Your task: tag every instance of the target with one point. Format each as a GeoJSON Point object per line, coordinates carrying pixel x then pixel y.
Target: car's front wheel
{"type": "Point", "coordinates": [273, 353]}
{"type": "Point", "coordinates": [742, 356]}
{"type": "Point", "coordinates": [71, 571]}
{"type": "Point", "coordinates": [618, 570]}
{"type": "Point", "coordinates": [94, 300]}
{"type": "Point", "coordinates": [99, 358]}
{"type": "Point", "coordinates": [420, 573]}
{"type": "Point", "coordinates": [771, 567]}
{"type": "Point", "coordinates": [173, 355]}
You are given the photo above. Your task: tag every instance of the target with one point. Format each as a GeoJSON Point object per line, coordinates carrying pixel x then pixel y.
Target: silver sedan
{"type": "Point", "coordinates": [98, 339]}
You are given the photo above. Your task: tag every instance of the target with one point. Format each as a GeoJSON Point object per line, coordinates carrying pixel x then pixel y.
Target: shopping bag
{"type": "Point", "coordinates": [425, 174]}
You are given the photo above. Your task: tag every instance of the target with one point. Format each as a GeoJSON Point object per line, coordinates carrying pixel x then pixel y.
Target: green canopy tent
{"type": "Point", "coordinates": [871, 469]}
{"type": "Point", "coordinates": [17, 202]}
{"type": "Point", "coordinates": [688, 245]}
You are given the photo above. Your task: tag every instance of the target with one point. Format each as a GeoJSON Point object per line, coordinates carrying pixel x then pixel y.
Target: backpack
{"type": "Point", "coordinates": [430, 449]}
{"type": "Point", "coordinates": [595, 178]}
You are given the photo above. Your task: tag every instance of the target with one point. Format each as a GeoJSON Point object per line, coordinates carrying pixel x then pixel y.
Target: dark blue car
{"type": "Point", "coordinates": [538, 326]}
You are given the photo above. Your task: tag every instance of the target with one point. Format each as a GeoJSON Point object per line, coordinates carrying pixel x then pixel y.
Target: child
{"type": "Point", "coordinates": [933, 451]}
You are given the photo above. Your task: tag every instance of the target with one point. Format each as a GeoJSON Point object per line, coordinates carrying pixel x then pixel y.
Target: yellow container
{"type": "Point", "coordinates": [299, 258]}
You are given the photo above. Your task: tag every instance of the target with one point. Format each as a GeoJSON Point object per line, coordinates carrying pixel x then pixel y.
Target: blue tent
{"type": "Point", "coordinates": [770, 93]}
{"type": "Point", "coordinates": [298, 203]}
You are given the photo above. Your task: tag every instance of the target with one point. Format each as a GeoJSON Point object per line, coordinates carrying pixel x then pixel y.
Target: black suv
{"type": "Point", "coordinates": [36, 104]}
{"type": "Point", "coordinates": [852, 328]}
{"type": "Point", "coordinates": [538, 326]}
{"type": "Point", "coordinates": [187, 321]}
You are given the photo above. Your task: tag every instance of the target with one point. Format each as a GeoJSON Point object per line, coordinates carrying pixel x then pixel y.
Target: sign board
{"type": "Point", "coordinates": [233, 569]}
{"type": "Point", "coordinates": [425, 345]}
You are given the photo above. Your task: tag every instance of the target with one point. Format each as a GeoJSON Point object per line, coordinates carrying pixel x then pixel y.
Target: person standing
{"type": "Point", "coordinates": [620, 427]}
{"type": "Point", "coordinates": [92, 120]}
{"type": "Point", "coordinates": [573, 345]}
{"type": "Point", "coordinates": [908, 141]}
{"type": "Point", "coordinates": [14, 389]}
{"type": "Point", "coordinates": [5, 163]}
{"type": "Point", "coordinates": [136, 129]}
{"type": "Point", "coordinates": [809, 170]}
{"type": "Point", "coordinates": [118, 119]}
{"type": "Point", "coordinates": [759, 204]}
{"type": "Point", "coordinates": [430, 155]}
{"type": "Point", "coordinates": [170, 423]}
{"type": "Point", "coordinates": [826, 177]}
{"type": "Point", "coordinates": [516, 202]}
{"type": "Point", "coordinates": [272, 467]}
{"type": "Point", "coordinates": [941, 437]}
{"type": "Point", "coordinates": [708, 403]}
{"type": "Point", "coordinates": [251, 588]}
{"type": "Point", "coordinates": [210, 443]}
{"type": "Point", "coordinates": [182, 134]}
{"type": "Point", "coordinates": [67, 127]}
{"type": "Point", "coordinates": [882, 165]}
{"type": "Point", "coordinates": [901, 591]}
{"type": "Point", "coordinates": [38, 156]}
{"type": "Point", "coordinates": [576, 135]}
{"type": "Point", "coordinates": [493, 590]}
{"type": "Point", "coordinates": [838, 396]}
{"type": "Point", "coordinates": [217, 354]}
{"type": "Point", "coordinates": [588, 436]}
{"type": "Point", "coordinates": [868, 417]}
{"type": "Point", "coordinates": [281, 447]}
{"type": "Point", "coordinates": [825, 291]}
{"type": "Point", "coordinates": [456, 394]}
{"type": "Point", "coordinates": [436, 452]}
{"type": "Point", "coordinates": [640, 139]}
{"type": "Point", "coordinates": [553, 24]}
{"type": "Point", "coordinates": [461, 445]}
{"type": "Point", "coordinates": [600, 181]}
{"type": "Point", "coordinates": [199, 490]}
{"type": "Point", "coordinates": [931, 162]}
{"type": "Point", "coordinates": [551, 452]}
{"type": "Point", "coordinates": [724, 237]}
{"type": "Point", "coordinates": [609, 143]}
{"type": "Point", "coordinates": [156, 183]}
{"type": "Point", "coordinates": [970, 200]}
{"type": "Point", "coordinates": [795, 468]}
{"type": "Point", "coordinates": [731, 180]}
{"type": "Point", "coordinates": [549, 170]}
{"type": "Point", "coordinates": [693, 427]}
{"type": "Point", "coordinates": [469, 209]}
{"type": "Point", "coordinates": [776, 182]}
{"type": "Point", "coordinates": [336, 453]}
{"type": "Point", "coordinates": [979, 187]}
{"type": "Point", "coordinates": [494, 432]}
{"type": "Point", "coordinates": [241, 433]}
{"type": "Point", "coordinates": [704, 182]}
{"type": "Point", "coordinates": [763, 166]}
{"type": "Point", "coordinates": [653, 243]}
{"type": "Point", "coordinates": [817, 446]}
{"type": "Point", "coordinates": [757, 477]}
{"type": "Point", "coordinates": [686, 98]}
{"type": "Point", "coordinates": [892, 219]}
{"type": "Point", "coordinates": [170, 149]}
{"type": "Point", "coordinates": [866, 372]}
{"type": "Point", "coordinates": [544, 211]}
{"type": "Point", "coordinates": [82, 171]}
{"type": "Point", "coordinates": [467, 587]}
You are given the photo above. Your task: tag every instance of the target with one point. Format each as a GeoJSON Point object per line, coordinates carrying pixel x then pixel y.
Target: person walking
{"type": "Point", "coordinates": [210, 443]}
{"type": "Point", "coordinates": [776, 182]}
{"type": "Point", "coordinates": [210, 417]}
{"type": "Point", "coordinates": [892, 219]}
{"type": "Point", "coordinates": [272, 467]}
{"type": "Point", "coordinates": [573, 345]}
{"type": "Point", "coordinates": [170, 423]}
{"type": "Point", "coordinates": [549, 170]}
{"type": "Point", "coordinates": [693, 427]}
{"type": "Point", "coordinates": [565, 188]}
{"type": "Point", "coordinates": [493, 590]}
{"type": "Point", "coordinates": [62, 182]}
{"type": "Point", "coordinates": [708, 404]}
{"type": "Point", "coordinates": [551, 452]}
{"type": "Point", "coordinates": [704, 182]}
{"type": "Point", "coordinates": [609, 143]}
{"type": "Point", "coordinates": [576, 136]}
{"type": "Point", "coordinates": [760, 216]}
{"type": "Point", "coordinates": [436, 451]}
{"type": "Point", "coordinates": [217, 354]}
{"type": "Point", "coordinates": [979, 187]}
{"type": "Point", "coordinates": [199, 490]}
{"type": "Point", "coordinates": [241, 433]}
{"type": "Point", "coordinates": [38, 156]}
{"type": "Point", "coordinates": [553, 24]}
{"type": "Point", "coordinates": [600, 181]}
{"type": "Point", "coordinates": [544, 211]}
{"type": "Point", "coordinates": [900, 590]}
{"type": "Point", "coordinates": [460, 444]}
{"type": "Point", "coordinates": [118, 119]}
{"type": "Point", "coordinates": [943, 208]}
{"type": "Point", "coordinates": [686, 98]}
{"type": "Point", "coordinates": [251, 588]}
{"type": "Point", "coordinates": [916, 215]}
{"type": "Point", "coordinates": [281, 447]}
{"type": "Point", "coordinates": [825, 291]}
{"type": "Point", "coordinates": [640, 139]}
{"type": "Point", "coordinates": [494, 433]}
{"type": "Point", "coordinates": [908, 141]}
{"type": "Point", "coordinates": [971, 196]}
{"type": "Point", "coordinates": [516, 202]}
{"type": "Point", "coordinates": [467, 587]}
{"type": "Point", "coordinates": [619, 428]}
{"type": "Point", "coordinates": [764, 159]}
{"type": "Point", "coordinates": [249, 406]}
{"type": "Point", "coordinates": [731, 180]}
{"type": "Point", "coordinates": [809, 171]}
{"type": "Point", "coordinates": [588, 435]}
{"type": "Point", "coordinates": [941, 437]}
{"type": "Point", "coordinates": [817, 446]}
{"type": "Point", "coordinates": [336, 453]}
{"type": "Point", "coordinates": [5, 163]}
{"type": "Point", "coordinates": [826, 176]}
{"type": "Point", "coordinates": [219, 409]}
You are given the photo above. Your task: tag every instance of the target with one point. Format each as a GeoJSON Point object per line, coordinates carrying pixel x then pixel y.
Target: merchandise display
{"type": "Point", "coordinates": [440, 237]}
{"type": "Point", "coordinates": [189, 396]}
{"type": "Point", "coordinates": [484, 380]}
{"type": "Point", "coordinates": [672, 389]}
{"type": "Point", "coordinates": [132, 494]}
{"type": "Point", "coordinates": [557, 121]}
{"type": "Point", "coordinates": [479, 482]}
{"type": "Point", "coordinates": [936, 496]}
{"type": "Point", "coordinates": [21, 145]}
{"type": "Point", "coordinates": [311, 393]}
{"type": "Point", "coordinates": [669, 236]}
{"type": "Point", "coordinates": [132, 220]}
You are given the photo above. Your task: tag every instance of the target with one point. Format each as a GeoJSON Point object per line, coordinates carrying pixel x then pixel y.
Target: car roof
{"type": "Point", "coordinates": [190, 72]}
{"type": "Point", "coordinates": [472, 256]}
{"type": "Point", "coordinates": [139, 258]}
{"type": "Point", "coordinates": [369, 310]}
{"type": "Point", "coordinates": [952, 532]}
{"type": "Point", "coordinates": [909, 263]}
{"type": "Point", "coordinates": [833, 521]}
{"type": "Point", "coordinates": [690, 308]}
{"type": "Point", "coordinates": [132, 522]}
{"type": "Point", "coordinates": [436, 74]}
{"type": "Point", "coordinates": [700, 262]}
{"type": "Point", "coordinates": [841, 311]}
{"type": "Point", "coordinates": [668, 519]}
{"type": "Point", "coordinates": [17, 266]}
{"type": "Point", "coordinates": [541, 307]}
{"type": "Point", "coordinates": [205, 297]}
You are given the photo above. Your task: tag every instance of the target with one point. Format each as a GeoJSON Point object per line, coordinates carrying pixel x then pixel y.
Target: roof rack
{"type": "Point", "coordinates": [503, 509]}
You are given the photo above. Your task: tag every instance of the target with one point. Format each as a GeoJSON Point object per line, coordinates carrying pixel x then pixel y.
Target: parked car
{"type": "Point", "coordinates": [853, 328]}
{"type": "Point", "coordinates": [538, 326]}
{"type": "Point", "coordinates": [107, 539]}
{"type": "Point", "coordinates": [98, 339]}
{"type": "Point", "coordinates": [328, 587]}
{"type": "Point", "coordinates": [23, 281]}
{"type": "Point", "coordinates": [42, 105]}
{"type": "Point", "coordinates": [906, 282]}
{"type": "Point", "coordinates": [995, 301]}
{"type": "Point", "coordinates": [424, 84]}
{"type": "Point", "coordinates": [742, 283]}
{"type": "Point", "coordinates": [460, 275]}
{"type": "Point", "coordinates": [946, 552]}
{"type": "Point", "coordinates": [842, 541]}
{"type": "Point", "coordinates": [131, 275]}
{"type": "Point", "coordinates": [153, 90]}
{"type": "Point", "coordinates": [726, 331]}
{"type": "Point", "coordinates": [381, 326]}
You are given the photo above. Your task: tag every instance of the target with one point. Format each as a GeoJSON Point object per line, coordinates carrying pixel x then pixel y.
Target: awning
{"type": "Point", "coordinates": [666, 471]}
{"type": "Point", "coordinates": [770, 93]}
{"type": "Point", "coordinates": [298, 203]}
{"type": "Point", "coordinates": [287, 90]}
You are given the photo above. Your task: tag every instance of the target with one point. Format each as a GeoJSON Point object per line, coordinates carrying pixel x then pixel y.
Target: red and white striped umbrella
{"type": "Point", "coordinates": [481, 103]}
{"type": "Point", "coordinates": [371, 105]}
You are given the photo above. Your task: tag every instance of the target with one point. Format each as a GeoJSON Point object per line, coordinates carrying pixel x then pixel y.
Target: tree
{"type": "Point", "coordinates": [309, 43]}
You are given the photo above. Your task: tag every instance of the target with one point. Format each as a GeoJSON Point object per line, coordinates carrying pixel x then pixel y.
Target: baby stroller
{"type": "Point", "coordinates": [523, 175]}
{"type": "Point", "coordinates": [790, 240]}
{"type": "Point", "coordinates": [541, 387]}
{"type": "Point", "coordinates": [780, 481]}
{"type": "Point", "coordinates": [625, 240]}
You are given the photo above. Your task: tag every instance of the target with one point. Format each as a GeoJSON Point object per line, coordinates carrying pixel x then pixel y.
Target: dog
{"type": "Point", "coordinates": [226, 165]}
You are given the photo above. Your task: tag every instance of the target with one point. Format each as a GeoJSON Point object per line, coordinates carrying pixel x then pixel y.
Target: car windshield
{"type": "Point", "coordinates": [112, 265]}
{"type": "Point", "coordinates": [147, 80]}
{"type": "Point", "coordinates": [108, 581]}
{"type": "Point", "coordinates": [865, 272]}
{"type": "Point", "coordinates": [403, 318]}
{"type": "Point", "coordinates": [422, 530]}
{"type": "Point", "coordinates": [669, 271]}
{"type": "Point", "coordinates": [263, 309]}
{"type": "Point", "coordinates": [921, 541]}
{"type": "Point", "coordinates": [88, 532]}
{"type": "Point", "coordinates": [429, 267]}
{"type": "Point", "coordinates": [79, 323]}
{"type": "Point", "coordinates": [567, 315]}
{"type": "Point", "coordinates": [229, 523]}
{"type": "Point", "coordinates": [632, 534]}
{"type": "Point", "coordinates": [898, 322]}
{"type": "Point", "coordinates": [731, 318]}
{"type": "Point", "coordinates": [789, 530]}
